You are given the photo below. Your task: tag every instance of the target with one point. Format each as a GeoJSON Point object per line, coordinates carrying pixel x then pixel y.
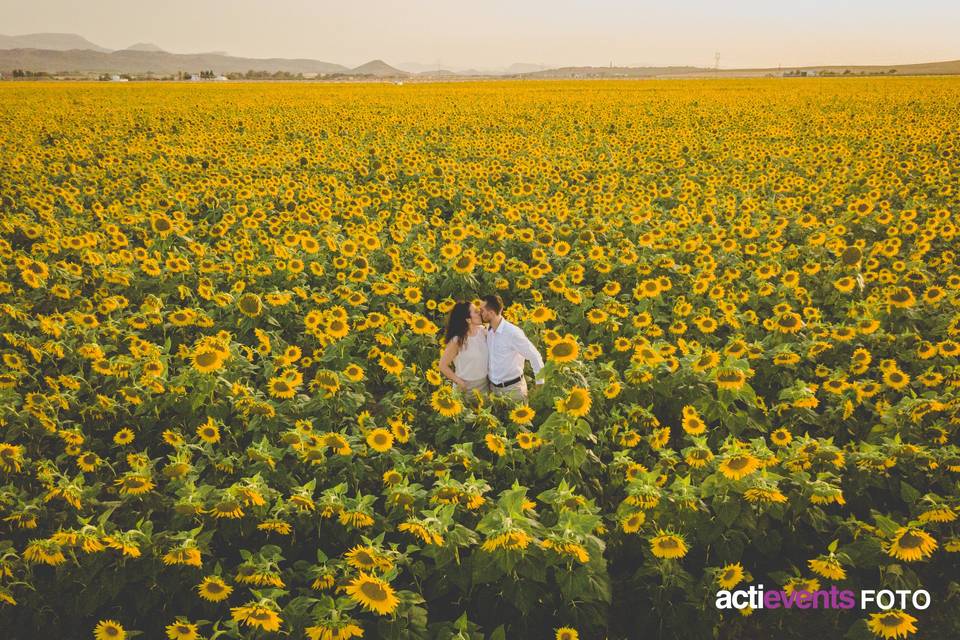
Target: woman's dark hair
{"type": "Point", "coordinates": [458, 324]}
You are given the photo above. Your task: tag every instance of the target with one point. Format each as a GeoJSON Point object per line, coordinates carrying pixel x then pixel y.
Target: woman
{"type": "Point", "coordinates": [466, 348]}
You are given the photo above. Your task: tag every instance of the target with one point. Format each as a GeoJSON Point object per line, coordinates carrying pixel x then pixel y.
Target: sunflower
{"type": "Point", "coordinates": [465, 263]}
{"type": "Point", "coordinates": [182, 317]}
{"type": "Point", "coordinates": [254, 614]}
{"type": "Point", "coordinates": [214, 589]}
{"type": "Point", "coordinates": [391, 364]}
{"type": "Point", "coordinates": [337, 328]}
{"type": "Point", "coordinates": [764, 494]}
{"type": "Point", "coordinates": [515, 540]}
{"type": "Point", "coordinates": [693, 424]}
{"type": "Point", "coordinates": [161, 224]}
{"type": "Point", "coordinates": [911, 544]}
{"type": "Point", "coordinates": [182, 631]}
{"type": "Point", "coordinates": [123, 436]}
{"type": "Point", "coordinates": [344, 631]}
{"type": "Point", "coordinates": [209, 432]}
{"type": "Point", "coordinates": [374, 594]}
{"type": "Point", "coordinates": [109, 630]}
{"type": "Point", "coordinates": [797, 584]}
{"type": "Point", "coordinates": [563, 350]}
{"type": "Point", "coordinates": [577, 403]}
{"type": "Point", "coordinates": [566, 633]}
{"type": "Point", "coordinates": [895, 379]}
{"type": "Point", "coordinates": [353, 372]}
{"type": "Point", "coordinates": [444, 403]}
{"type": "Point", "coordinates": [541, 314]}
{"type": "Point", "coordinates": [942, 513]}
{"type": "Point", "coordinates": [189, 556]}
{"type": "Point", "coordinates": [781, 437]}
{"type": "Point", "coordinates": [380, 440]}
{"type": "Point", "coordinates": [495, 444]}
{"type": "Point", "coordinates": [250, 305]}
{"type": "Point", "coordinates": [892, 624]}
{"type": "Point", "coordinates": [281, 387]}
{"type": "Point", "coordinates": [392, 477]}
{"type": "Point", "coordinates": [632, 522]}
{"type": "Point", "coordinates": [659, 438]}
{"type": "Point", "coordinates": [44, 551]}
{"type": "Point", "coordinates": [87, 461]}
{"type": "Point", "coordinates": [367, 558]}
{"type": "Point", "coordinates": [948, 348]}
{"type": "Point", "coordinates": [788, 322]}
{"type": "Point", "coordinates": [739, 465]}
{"type": "Point", "coordinates": [828, 567]}
{"type": "Point", "coordinates": [846, 284]}
{"type": "Point", "coordinates": [629, 438]}
{"type": "Point", "coordinates": [901, 297]}
{"type": "Point", "coordinates": [11, 457]}
{"type": "Point", "coordinates": [729, 378]}
{"type": "Point", "coordinates": [786, 358]}
{"type": "Point", "coordinates": [527, 440]}
{"type": "Point", "coordinates": [612, 390]}
{"type": "Point", "coordinates": [337, 442]}
{"type": "Point", "coordinates": [668, 545]}
{"type": "Point", "coordinates": [522, 414]}
{"type": "Point", "coordinates": [355, 518]}
{"type": "Point", "coordinates": [824, 493]}
{"type": "Point", "coordinates": [698, 457]}
{"type": "Point", "coordinates": [730, 576]}
{"type": "Point", "coordinates": [227, 509]}
{"type": "Point", "coordinates": [206, 359]}
{"type": "Point", "coordinates": [134, 484]}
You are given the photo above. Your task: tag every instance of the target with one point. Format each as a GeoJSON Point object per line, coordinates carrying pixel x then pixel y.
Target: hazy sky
{"type": "Point", "coordinates": [492, 33]}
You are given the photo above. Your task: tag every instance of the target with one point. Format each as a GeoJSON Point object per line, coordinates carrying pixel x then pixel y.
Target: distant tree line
{"type": "Point", "coordinates": [23, 73]}
{"type": "Point", "coordinates": [847, 72]}
{"type": "Point", "coordinates": [264, 75]}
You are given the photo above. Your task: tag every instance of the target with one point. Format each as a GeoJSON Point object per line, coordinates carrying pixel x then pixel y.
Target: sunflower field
{"type": "Point", "coordinates": [221, 414]}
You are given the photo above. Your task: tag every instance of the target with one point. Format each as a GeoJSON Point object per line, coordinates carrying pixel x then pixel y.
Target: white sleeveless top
{"type": "Point", "coordinates": [471, 362]}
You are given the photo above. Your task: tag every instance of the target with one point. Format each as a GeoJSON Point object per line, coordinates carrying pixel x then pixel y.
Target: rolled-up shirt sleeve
{"type": "Point", "coordinates": [525, 348]}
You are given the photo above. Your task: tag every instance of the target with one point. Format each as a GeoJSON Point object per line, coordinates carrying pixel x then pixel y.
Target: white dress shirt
{"type": "Point", "coordinates": [508, 346]}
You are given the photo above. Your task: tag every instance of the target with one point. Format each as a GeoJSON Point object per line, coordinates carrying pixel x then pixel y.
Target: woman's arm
{"type": "Point", "coordinates": [448, 355]}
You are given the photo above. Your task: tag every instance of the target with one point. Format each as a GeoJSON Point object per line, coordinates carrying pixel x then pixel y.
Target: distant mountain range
{"type": "Point", "coordinates": [71, 54]}
{"type": "Point", "coordinates": [145, 46]}
{"type": "Point", "coordinates": [51, 41]}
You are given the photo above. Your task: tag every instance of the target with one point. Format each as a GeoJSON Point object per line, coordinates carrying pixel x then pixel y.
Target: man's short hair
{"type": "Point", "coordinates": [493, 302]}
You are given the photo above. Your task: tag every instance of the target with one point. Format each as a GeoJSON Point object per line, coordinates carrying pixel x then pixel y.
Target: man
{"type": "Point", "coordinates": [508, 347]}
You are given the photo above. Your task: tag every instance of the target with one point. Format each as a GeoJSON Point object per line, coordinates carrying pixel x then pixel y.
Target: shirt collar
{"type": "Point", "coordinates": [503, 322]}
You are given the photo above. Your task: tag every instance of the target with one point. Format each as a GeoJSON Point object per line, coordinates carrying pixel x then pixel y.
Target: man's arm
{"type": "Point", "coordinates": [525, 348]}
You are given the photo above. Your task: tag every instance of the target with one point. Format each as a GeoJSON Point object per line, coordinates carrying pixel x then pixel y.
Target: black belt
{"type": "Point", "coordinates": [507, 383]}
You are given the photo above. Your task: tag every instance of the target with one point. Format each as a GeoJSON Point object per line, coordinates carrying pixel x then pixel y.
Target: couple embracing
{"type": "Point", "coordinates": [487, 358]}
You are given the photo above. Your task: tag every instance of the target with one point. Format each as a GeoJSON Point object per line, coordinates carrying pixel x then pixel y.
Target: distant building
{"type": "Point", "coordinates": [116, 78]}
